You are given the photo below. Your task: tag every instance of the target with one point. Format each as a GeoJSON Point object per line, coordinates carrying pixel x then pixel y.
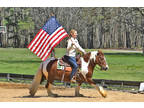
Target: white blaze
{"type": "Point", "coordinates": [93, 55]}
{"type": "Point", "coordinates": [106, 63]}
{"type": "Point", "coordinates": [84, 67]}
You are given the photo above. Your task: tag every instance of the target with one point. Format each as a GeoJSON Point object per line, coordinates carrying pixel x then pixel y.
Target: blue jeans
{"type": "Point", "coordinates": [73, 64]}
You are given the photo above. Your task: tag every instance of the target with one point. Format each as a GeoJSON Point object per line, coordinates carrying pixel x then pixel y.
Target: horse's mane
{"type": "Point", "coordinates": [86, 56]}
{"type": "Point", "coordinates": [90, 55]}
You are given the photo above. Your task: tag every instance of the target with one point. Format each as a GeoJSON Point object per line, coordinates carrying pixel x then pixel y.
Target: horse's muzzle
{"type": "Point", "coordinates": [105, 68]}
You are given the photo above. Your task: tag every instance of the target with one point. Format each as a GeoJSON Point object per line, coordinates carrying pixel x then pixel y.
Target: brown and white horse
{"type": "Point", "coordinates": [48, 70]}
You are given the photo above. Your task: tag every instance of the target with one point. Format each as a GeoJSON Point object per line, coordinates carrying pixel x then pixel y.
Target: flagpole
{"type": "Point", "coordinates": [48, 37]}
{"type": "Point", "coordinates": [53, 51]}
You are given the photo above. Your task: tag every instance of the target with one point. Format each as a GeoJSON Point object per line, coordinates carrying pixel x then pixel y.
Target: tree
{"type": "Point", "coordinates": [98, 27]}
{"type": "Point", "coordinates": [141, 27]}
{"type": "Point", "coordinates": [134, 17]}
{"type": "Point", "coordinates": [19, 24]}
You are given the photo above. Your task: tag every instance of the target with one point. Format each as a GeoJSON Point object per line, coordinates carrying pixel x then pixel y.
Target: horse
{"type": "Point", "coordinates": [48, 71]}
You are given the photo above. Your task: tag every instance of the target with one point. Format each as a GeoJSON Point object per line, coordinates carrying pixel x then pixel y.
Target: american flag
{"type": "Point", "coordinates": [47, 38]}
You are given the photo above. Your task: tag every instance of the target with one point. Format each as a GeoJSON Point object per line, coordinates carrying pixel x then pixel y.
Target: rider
{"type": "Point", "coordinates": [72, 45]}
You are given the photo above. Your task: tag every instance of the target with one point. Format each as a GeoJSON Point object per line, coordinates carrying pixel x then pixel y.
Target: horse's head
{"type": "Point", "coordinates": [96, 57]}
{"type": "Point", "coordinates": [101, 60]}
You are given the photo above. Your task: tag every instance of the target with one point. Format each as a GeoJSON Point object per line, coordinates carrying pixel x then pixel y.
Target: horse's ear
{"type": "Point", "coordinates": [99, 52]}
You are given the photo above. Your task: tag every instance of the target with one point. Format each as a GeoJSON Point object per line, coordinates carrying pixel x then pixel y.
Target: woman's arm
{"type": "Point", "coordinates": [80, 48]}
{"type": "Point", "coordinates": [69, 45]}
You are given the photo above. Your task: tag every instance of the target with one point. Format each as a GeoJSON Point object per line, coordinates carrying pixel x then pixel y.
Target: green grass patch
{"type": "Point", "coordinates": [122, 66]}
{"type": "Point", "coordinates": [18, 60]}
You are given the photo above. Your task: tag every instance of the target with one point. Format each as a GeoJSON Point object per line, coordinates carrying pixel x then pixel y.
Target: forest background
{"type": "Point", "coordinates": [98, 27]}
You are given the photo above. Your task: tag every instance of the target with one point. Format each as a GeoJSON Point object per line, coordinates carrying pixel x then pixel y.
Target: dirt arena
{"type": "Point", "coordinates": [12, 92]}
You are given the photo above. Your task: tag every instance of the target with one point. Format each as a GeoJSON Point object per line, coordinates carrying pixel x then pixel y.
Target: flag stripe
{"type": "Point", "coordinates": [54, 47]}
{"type": "Point", "coordinates": [54, 42]}
{"type": "Point", "coordinates": [49, 40]}
{"type": "Point", "coordinates": [41, 47]}
{"type": "Point", "coordinates": [35, 38]}
{"type": "Point", "coordinates": [47, 50]}
{"type": "Point", "coordinates": [40, 41]}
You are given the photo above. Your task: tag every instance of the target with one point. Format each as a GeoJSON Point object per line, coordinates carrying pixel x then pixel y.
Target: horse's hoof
{"type": "Point", "coordinates": [52, 95]}
{"type": "Point", "coordinates": [103, 92]}
{"type": "Point", "coordinates": [79, 95]}
{"type": "Point", "coordinates": [31, 95]}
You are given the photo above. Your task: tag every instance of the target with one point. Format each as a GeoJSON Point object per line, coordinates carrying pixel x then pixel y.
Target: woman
{"type": "Point", "coordinates": [72, 46]}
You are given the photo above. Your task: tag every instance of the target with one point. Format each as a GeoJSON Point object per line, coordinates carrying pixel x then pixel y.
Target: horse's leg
{"type": "Point", "coordinates": [49, 86]}
{"type": "Point", "coordinates": [77, 94]}
{"type": "Point", "coordinates": [99, 88]}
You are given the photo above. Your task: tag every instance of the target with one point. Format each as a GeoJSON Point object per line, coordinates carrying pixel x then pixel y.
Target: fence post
{"type": "Point", "coordinates": [8, 77]}
{"type": "Point", "coordinates": [122, 84]}
{"type": "Point", "coordinates": [103, 82]}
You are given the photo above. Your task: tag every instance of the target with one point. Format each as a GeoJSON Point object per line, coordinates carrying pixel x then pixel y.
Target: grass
{"type": "Point", "coordinates": [123, 66]}
{"type": "Point", "coordinates": [20, 61]}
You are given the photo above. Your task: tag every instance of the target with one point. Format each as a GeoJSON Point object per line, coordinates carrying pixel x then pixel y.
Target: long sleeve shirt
{"type": "Point", "coordinates": [71, 49]}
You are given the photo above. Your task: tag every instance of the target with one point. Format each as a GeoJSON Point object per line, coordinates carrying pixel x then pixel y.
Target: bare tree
{"type": "Point", "coordinates": [134, 17]}
{"type": "Point", "coordinates": [98, 27]}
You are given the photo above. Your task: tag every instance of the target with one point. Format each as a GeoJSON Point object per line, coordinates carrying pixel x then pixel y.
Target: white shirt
{"type": "Point", "coordinates": [71, 49]}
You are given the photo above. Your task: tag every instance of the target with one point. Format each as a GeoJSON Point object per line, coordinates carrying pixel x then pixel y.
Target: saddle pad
{"type": "Point", "coordinates": [68, 69]}
{"type": "Point", "coordinates": [59, 66]}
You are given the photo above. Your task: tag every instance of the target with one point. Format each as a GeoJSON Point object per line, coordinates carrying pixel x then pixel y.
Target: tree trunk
{"type": "Point", "coordinates": [142, 23]}
{"type": "Point", "coordinates": [143, 43]}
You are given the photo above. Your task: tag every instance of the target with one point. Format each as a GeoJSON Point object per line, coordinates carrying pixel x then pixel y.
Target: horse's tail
{"type": "Point", "coordinates": [36, 81]}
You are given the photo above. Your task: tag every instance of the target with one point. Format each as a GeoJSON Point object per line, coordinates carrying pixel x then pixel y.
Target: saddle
{"type": "Point", "coordinates": [65, 65]}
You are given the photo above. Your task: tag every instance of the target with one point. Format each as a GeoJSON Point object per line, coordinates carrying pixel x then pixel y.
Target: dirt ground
{"type": "Point", "coordinates": [13, 92]}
